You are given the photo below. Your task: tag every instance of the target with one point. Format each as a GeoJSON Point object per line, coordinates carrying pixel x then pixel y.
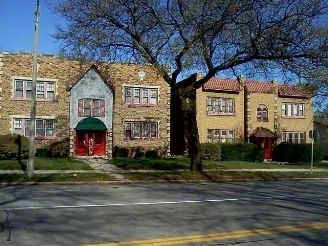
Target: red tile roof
{"type": "Point", "coordinates": [232, 85]}
{"type": "Point", "coordinates": [293, 91]}
{"type": "Point", "coordinates": [219, 84]}
{"type": "Point", "coordinates": [261, 87]}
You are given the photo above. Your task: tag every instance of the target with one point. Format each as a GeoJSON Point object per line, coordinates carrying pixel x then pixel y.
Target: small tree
{"type": "Point", "coordinates": [209, 36]}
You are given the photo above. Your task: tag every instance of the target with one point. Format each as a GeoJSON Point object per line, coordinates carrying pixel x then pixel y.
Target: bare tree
{"type": "Point", "coordinates": [208, 36]}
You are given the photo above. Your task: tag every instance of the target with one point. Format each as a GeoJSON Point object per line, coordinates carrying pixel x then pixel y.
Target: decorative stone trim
{"type": "Point", "coordinates": [168, 125]}
{"type": "Point", "coordinates": [109, 144]}
{"type": "Point", "coordinates": [248, 115]}
{"type": "Point", "coordinates": [72, 141]}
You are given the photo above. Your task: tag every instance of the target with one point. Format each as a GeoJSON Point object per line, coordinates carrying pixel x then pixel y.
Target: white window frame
{"type": "Point", "coordinates": [141, 93]}
{"type": "Point", "coordinates": [49, 85]}
{"type": "Point", "coordinates": [293, 137]}
{"type": "Point", "coordinates": [220, 106]}
{"type": "Point", "coordinates": [221, 135]}
{"type": "Point", "coordinates": [20, 122]}
{"type": "Point", "coordinates": [296, 110]}
{"type": "Point", "coordinates": [132, 125]}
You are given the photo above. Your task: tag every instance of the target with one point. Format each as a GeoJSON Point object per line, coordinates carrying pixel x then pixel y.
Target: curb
{"type": "Point", "coordinates": [151, 182]}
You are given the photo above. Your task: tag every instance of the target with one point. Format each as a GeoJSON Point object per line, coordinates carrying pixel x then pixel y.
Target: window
{"type": "Point", "coordinates": [262, 113]}
{"type": "Point", "coordinates": [43, 127]}
{"type": "Point", "coordinates": [45, 90]}
{"type": "Point", "coordinates": [88, 107]}
{"type": "Point", "coordinates": [293, 137]}
{"type": "Point", "coordinates": [140, 96]}
{"type": "Point", "coordinates": [140, 130]}
{"type": "Point", "coordinates": [292, 109]}
{"type": "Point", "coordinates": [217, 105]}
{"type": "Point", "coordinates": [222, 136]}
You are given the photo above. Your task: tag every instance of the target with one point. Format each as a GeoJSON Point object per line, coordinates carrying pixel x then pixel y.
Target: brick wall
{"type": "Point", "coordinates": [64, 71]}
{"type": "Point", "coordinates": [224, 122]}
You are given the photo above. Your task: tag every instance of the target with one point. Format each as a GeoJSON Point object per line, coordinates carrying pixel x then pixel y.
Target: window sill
{"type": "Point", "coordinates": [293, 117]}
{"type": "Point", "coordinates": [221, 114]}
{"type": "Point", "coordinates": [44, 138]}
{"type": "Point", "coordinates": [140, 105]}
{"type": "Point", "coordinates": [29, 99]}
{"type": "Point", "coordinates": [140, 139]}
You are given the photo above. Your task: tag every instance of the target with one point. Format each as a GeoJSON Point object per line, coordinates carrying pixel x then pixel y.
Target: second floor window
{"type": "Point", "coordinates": [222, 136]}
{"type": "Point", "coordinates": [43, 127]}
{"type": "Point", "coordinates": [140, 129]}
{"type": "Point", "coordinates": [44, 89]}
{"type": "Point", "coordinates": [89, 107]}
{"type": "Point", "coordinates": [140, 96]}
{"type": "Point", "coordinates": [262, 113]}
{"type": "Point", "coordinates": [292, 109]}
{"type": "Point", "coordinates": [218, 105]}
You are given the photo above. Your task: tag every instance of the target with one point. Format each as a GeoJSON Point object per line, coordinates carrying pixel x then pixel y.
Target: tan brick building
{"type": "Point", "coordinates": [266, 113]}
{"type": "Point", "coordinates": [97, 108]}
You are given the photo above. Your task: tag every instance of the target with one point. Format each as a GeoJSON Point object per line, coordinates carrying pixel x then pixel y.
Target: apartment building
{"type": "Point", "coordinates": [265, 113]}
{"type": "Point", "coordinates": [97, 107]}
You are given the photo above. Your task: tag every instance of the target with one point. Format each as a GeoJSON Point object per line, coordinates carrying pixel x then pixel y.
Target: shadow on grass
{"type": "Point", "coordinates": [23, 166]}
{"type": "Point", "coordinates": [151, 164]}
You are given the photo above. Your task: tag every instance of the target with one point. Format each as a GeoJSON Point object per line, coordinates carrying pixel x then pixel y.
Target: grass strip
{"type": "Point", "coordinates": [58, 177]}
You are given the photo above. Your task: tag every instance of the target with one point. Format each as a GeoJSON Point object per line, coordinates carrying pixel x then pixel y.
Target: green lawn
{"type": "Point", "coordinates": [45, 164]}
{"type": "Point", "coordinates": [57, 177]}
{"type": "Point", "coordinates": [182, 163]}
{"type": "Point", "coordinates": [221, 176]}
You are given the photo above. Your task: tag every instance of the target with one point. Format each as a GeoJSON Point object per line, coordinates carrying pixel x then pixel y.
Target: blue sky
{"type": "Point", "coordinates": [17, 26]}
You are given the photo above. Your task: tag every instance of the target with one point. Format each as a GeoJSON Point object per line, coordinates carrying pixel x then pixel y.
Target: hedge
{"type": "Point", "coordinates": [294, 153]}
{"type": "Point", "coordinates": [241, 152]}
{"type": "Point", "coordinates": [211, 151]}
{"type": "Point", "coordinates": [13, 146]}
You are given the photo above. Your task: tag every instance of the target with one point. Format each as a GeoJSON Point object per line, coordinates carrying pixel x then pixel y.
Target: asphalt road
{"type": "Point", "coordinates": [250, 213]}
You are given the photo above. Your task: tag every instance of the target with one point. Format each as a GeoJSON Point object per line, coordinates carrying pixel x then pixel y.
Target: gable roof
{"type": "Point", "coordinates": [97, 70]}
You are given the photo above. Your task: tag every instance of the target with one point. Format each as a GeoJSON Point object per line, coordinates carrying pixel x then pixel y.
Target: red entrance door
{"type": "Point", "coordinates": [99, 142]}
{"type": "Point", "coordinates": [267, 148]}
{"type": "Point", "coordinates": [82, 143]}
{"type": "Point", "coordinates": [83, 140]}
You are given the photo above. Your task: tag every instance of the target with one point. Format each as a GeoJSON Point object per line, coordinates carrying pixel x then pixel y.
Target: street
{"type": "Point", "coordinates": [243, 213]}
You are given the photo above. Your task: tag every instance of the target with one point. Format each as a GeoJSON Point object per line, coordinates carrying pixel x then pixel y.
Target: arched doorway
{"type": "Point", "coordinates": [265, 139]}
{"type": "Point", "coordinates": [90, 137]}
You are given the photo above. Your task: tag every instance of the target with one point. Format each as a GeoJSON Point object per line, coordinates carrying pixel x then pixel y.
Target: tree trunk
{"type": "Point", "coordinates": [193, 139]}
{"type": "Point", "coordinates": [185, 111]}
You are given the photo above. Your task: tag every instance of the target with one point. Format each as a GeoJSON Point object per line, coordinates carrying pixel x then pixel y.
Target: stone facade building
{"type": "Point", "coordinates": [95, 107]}
{"type": "Point", "coordinates": [239, 110]}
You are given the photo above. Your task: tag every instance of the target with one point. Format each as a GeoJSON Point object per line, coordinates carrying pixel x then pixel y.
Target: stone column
{"type": "Point", "coordinates": [72, 141]}
{"type": "Point", "coordinates": [109, 143]}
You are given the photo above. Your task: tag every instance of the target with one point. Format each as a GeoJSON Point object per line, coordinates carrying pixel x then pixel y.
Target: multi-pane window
{"type": "Point", "coordinates": [44, 89]}
{"type": "Point", "coordinates": [140, 129]}
{"type": "Point", "coordinates": [222, 136]}
{"type": "Point", "coordinates": [292, 109]}
{"type": "Point", "coordinates": [89, 107]}
{"type": "Point", "coordinates": [43, 127]}
{"type": "Point", "coordinates": [218, 105]}
{"type": "Point", "coordinates": [293, 137]}
{"type": "Point", "coordinates": [140, 96]}
{"type": "Point", "coordinates": [262, 113]}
